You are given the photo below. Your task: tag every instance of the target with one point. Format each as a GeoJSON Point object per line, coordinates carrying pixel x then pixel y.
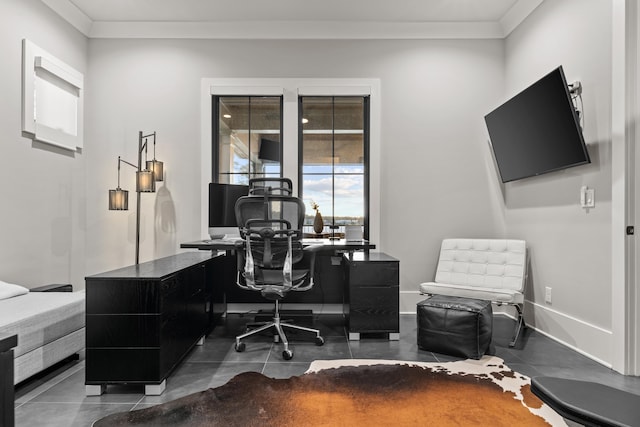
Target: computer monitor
{"type": "Point", "coordinates": [222, 202]}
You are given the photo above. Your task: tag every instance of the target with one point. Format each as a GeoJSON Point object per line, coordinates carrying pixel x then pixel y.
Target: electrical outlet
{"type": "Point", "coordinates": [547, 295]}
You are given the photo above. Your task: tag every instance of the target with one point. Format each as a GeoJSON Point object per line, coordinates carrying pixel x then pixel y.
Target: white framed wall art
{"type": "Point", "coordinates": [52, 99]}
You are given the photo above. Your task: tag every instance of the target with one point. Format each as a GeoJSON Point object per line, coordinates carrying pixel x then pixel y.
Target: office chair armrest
{"type": "Point", "coordinates": [310, 257]}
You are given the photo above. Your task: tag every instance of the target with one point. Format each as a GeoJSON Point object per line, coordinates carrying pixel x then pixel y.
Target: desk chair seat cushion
{"type": "Point", "coordinates": [274, 277]}
{"type": "Point", "coordinates": [271, 282]}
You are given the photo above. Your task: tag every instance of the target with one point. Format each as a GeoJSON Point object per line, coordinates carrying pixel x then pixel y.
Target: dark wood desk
{"type": "Point", "coordinates": [328, 245]}
{"type": "Point", "coordinates": [329, 277]}
{"type": "Point", "coordinates": [7, 402]}
{"type": "Point", "coordinates": [365, 283]}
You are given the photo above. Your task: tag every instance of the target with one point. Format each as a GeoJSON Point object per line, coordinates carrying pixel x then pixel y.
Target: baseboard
{"type": "Point", "coordinates": [587, 339]}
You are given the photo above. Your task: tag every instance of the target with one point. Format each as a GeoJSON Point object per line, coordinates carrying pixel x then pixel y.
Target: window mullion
{"type": "Point", "coordinates": [333, 159]}
{"type": "Point", "coordinates": [249, 139]}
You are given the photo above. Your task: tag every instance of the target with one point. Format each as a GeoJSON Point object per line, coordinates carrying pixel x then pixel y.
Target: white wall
{"type": "Point", "coordinates": [436, 179]}
{"type": "Point", "coordinates": [42, 217]}
{"type": "Point", "coordinates": [570, 246]}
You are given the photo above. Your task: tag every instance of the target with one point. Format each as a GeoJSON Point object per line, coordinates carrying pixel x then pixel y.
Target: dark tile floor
{"type": "Point", "coordinates": [58, 398]}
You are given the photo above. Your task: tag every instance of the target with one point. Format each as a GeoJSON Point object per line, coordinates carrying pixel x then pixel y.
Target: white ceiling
{"type": "Point", "coordinates": [295, 18]}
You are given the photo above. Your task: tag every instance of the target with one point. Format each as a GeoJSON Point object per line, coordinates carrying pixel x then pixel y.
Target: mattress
{"type": "Point", "coordinates": [40, 318]}
{"type": "Point", "coordinates": [43, 357]}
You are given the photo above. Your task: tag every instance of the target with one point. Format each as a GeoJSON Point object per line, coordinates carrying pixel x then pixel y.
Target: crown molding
{"type": "Point", "coordinates": [518, 13]}
{"type": "Point", "coordinates": [294, 30]}
{"type": "Point", "coordinates": [69, 12]}
{"type": "Point", "coordinates": [305, 30]}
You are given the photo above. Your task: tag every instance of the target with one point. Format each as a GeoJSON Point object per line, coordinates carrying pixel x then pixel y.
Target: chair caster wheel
{"type": "Point", "coordinates": [319, 341]}
{"type": "Point", "coordinates": [240, 347]}
{"type": "Point", "coordinates": [287, 355]}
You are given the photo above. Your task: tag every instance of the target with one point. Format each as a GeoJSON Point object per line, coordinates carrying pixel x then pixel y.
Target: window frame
{"type": "Point", "coordinates": [215, 132]}
{"type": "Point", "coordinates": [366, 152]}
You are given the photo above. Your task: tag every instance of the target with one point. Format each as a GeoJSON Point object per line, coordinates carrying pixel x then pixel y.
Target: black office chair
{"type": "Point", "coordinates": [272, 186]}
{"type": "Point", "coordinates": [271, 259]}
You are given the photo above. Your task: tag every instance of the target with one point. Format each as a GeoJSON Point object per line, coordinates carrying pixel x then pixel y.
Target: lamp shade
{"type": "Point", "coordinates": [145, 182]}
{"type": "Point", "coordinates": [118, 200]}
{"type": "Point", "coordinates": [157, 168]}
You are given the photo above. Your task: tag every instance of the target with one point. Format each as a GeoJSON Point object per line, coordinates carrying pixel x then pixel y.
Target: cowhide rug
{"type": "Point", "coordinates": [481, 392]}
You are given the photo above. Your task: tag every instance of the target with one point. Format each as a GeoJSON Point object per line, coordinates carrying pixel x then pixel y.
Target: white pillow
{"type": "Point", "coordinates": [8, 290]}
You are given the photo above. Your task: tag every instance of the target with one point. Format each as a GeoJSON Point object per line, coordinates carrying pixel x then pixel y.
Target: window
{"type": "Point", "coordinates": [334, 159]}
{"type": "Point", "coordinates": [247, 138]}
{"type": "Point", "coordinates": [231, 149]}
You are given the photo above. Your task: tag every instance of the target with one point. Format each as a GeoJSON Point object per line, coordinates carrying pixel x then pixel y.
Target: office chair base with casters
{"type": "Point", "coordinates": [278, 325]}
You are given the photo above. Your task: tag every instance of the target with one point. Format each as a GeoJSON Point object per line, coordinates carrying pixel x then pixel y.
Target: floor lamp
{"type": "Point", "coordinates": [145, 183]}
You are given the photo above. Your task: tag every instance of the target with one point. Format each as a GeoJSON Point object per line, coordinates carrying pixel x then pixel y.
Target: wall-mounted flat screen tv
{"type": "Point", "coordinates": [537, 131]}
{"type": "Point", "coordinates": [269, 150]}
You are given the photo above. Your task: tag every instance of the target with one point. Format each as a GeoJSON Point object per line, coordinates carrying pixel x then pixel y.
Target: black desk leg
{"type": "Point", "coordinates": [7, 400]}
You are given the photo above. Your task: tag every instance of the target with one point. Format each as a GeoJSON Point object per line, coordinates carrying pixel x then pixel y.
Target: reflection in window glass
{"type": "Point", "coordinates": [334, 163]}
{"type": "Point", "coordinates": [247, 139]}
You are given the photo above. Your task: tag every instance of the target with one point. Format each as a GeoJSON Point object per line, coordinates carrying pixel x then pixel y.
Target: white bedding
{"type": "Point", "coordinates": [39, 318]}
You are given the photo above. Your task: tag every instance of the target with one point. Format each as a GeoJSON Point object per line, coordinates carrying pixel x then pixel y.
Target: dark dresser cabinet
{"type": "Point", "coordinates": [372, 294]}
{"type": "Point", "coordinates": [142, 320]}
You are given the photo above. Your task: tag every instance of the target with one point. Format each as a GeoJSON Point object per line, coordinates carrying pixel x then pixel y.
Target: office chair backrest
{"type": "Point", "coordinates": [269, 221]}
{"type": "Point", "coordinates": [270, 207]}
{"type": "Point", "coordinates": [272, 186]}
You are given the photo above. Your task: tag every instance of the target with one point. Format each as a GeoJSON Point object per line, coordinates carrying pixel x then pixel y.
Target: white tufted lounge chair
{"type": "Point", "coordinates": [487, 269]}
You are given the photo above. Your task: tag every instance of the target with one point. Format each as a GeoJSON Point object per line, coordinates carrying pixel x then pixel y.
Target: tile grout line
{"type": "Point", "coordinates": [48, 385]}
{"type": "Point", "coordinates": [137, 403]}
{"type": "Point", "coordinates": [264, 365]}
{"type": "Point", "coordinates": [346, 336]}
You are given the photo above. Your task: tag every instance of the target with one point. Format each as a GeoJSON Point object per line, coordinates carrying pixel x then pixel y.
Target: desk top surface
{"type": "Point", "coordinates": [329, 244]}
{"type": "Point", "coordinates": [155, 269]}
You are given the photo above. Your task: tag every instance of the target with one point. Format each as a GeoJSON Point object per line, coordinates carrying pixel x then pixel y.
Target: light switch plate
{"type": "Point", "coordinates": [590, 201]}
{"type": "Point", "coordinates": [587, 197]}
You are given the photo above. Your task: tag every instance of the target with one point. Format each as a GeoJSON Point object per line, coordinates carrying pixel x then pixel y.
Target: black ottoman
{"type": "Point", "coordinates": [454, 325]}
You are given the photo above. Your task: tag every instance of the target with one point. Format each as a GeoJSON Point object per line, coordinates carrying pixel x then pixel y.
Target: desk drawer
{"type": "Point", "coordinates": [122, 296]}
{"type": "Point", "coordinates": [374, 309]}
{"type": "Point", "coordinates": [131, 330]}
{"type": "Point", "coordinates": [126, 365]}
{"type": "Point", "coordinates": [374, 274]}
